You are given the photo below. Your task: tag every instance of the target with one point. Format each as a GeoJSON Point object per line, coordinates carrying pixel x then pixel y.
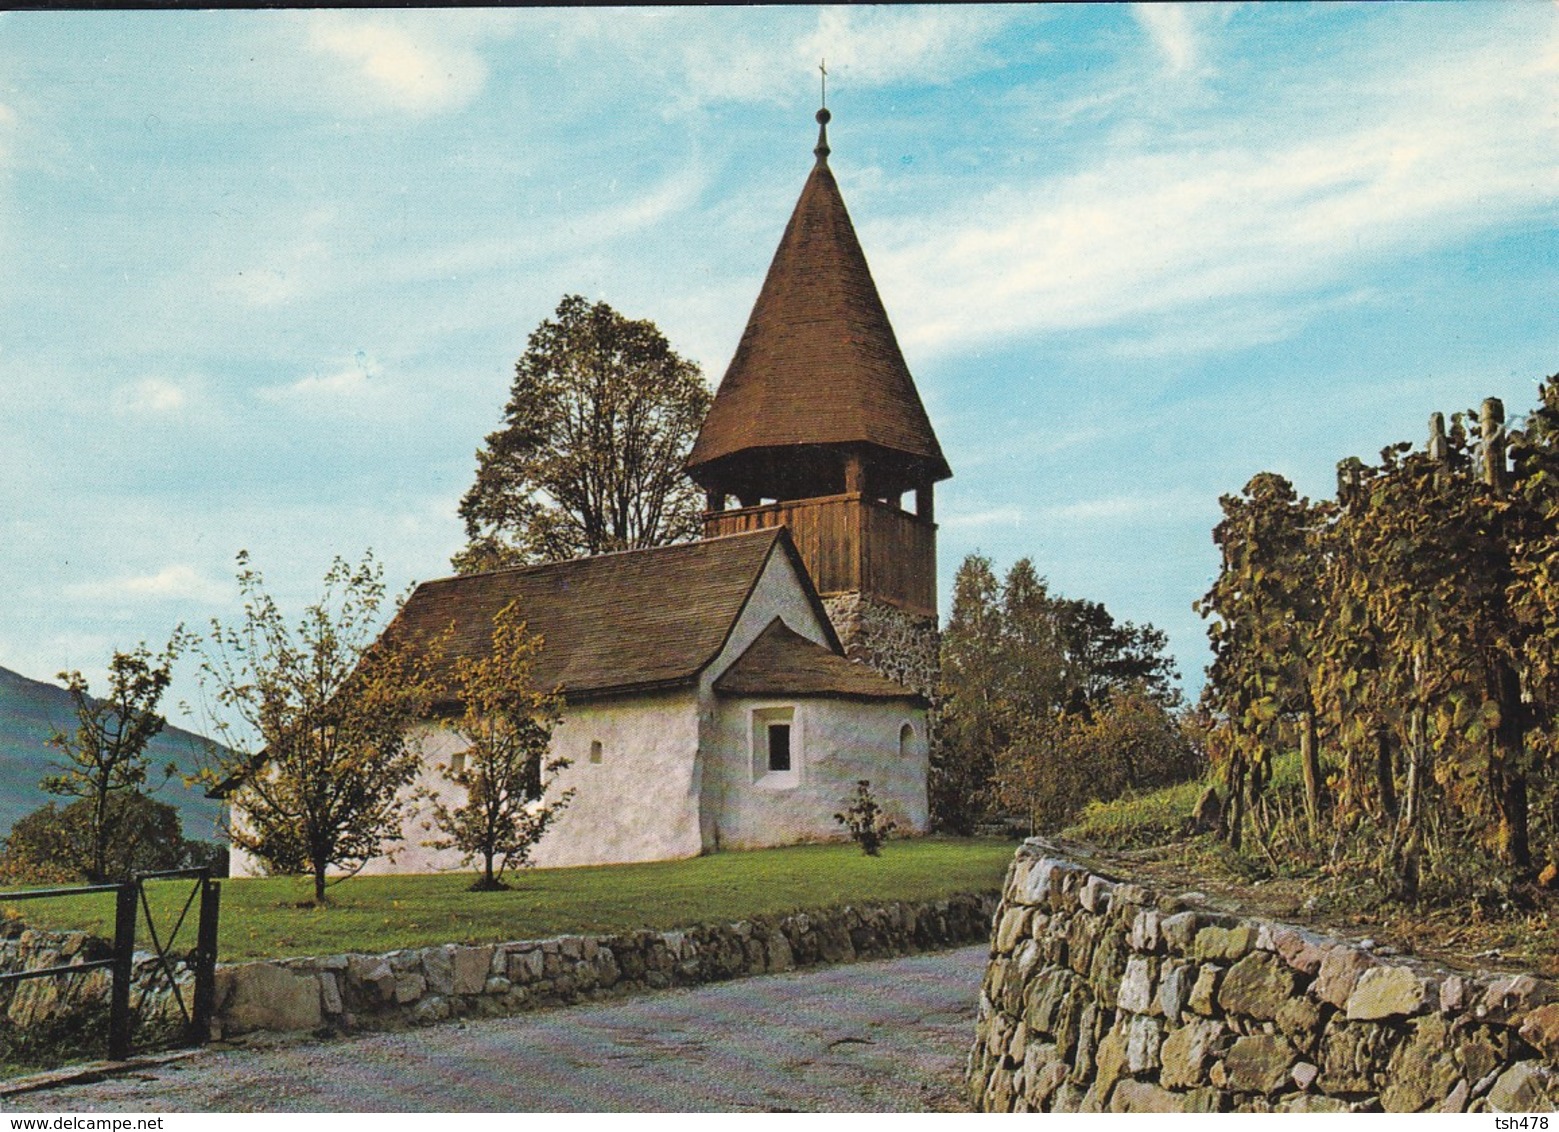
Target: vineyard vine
{"type": "Point", "coordinates": [1403, 640]}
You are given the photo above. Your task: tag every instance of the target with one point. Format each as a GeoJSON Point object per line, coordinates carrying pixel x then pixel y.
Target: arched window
{"type": "Point", "coordinates": [906, 740]}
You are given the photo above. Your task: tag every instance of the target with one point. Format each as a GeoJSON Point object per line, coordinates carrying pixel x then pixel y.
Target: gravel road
{"type": "Point", "coordinates": [881, 1036]}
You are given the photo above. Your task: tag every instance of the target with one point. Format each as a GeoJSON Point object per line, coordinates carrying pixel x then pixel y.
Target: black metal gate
{"type": "Point", "coordinates": [130, 908]}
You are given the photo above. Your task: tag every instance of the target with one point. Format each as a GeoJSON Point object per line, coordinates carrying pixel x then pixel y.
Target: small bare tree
{"type": "Point", "coordinates": [506, 721]}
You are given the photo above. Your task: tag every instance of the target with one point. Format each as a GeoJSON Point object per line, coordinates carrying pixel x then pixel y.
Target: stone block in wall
{"type": "Point", "coordinates": [1144, 931]}
{"type": "Point", "coordinates": [1096, 894]}
{"type": "Point", "coordinates": [1298, 949]}
{"type": "Point", "coordinates": [438, 968]}
{"type": "Point", "coordinates": [1048, 997]}
{"type": "Point", "coordinates": [1137, 986]}
{"type": "Point", "coordinates": [1174, 985]}
{"type": "Point", "coordinates": [1540, 1028]}
{"type": "Point", "coordinates": [1043, 1074]}
{"type": "Point", "coordinates": [1339, 973]}
{"type": "Point", "coordinates": [1300, 1020]}
{"type": "Point", "coordinates": [1144, 1036]}
{"type": "Point", "coordinates": [1422, 1072]}
{"type": "Point", "coordinates": [1179, 931]}
{"type": "Point", "coordinates": [330, 993]}
{"type": "Point", "coordinates": [1354, 1056]}
{"type": "Point", "coordinates": [1080, 935]}
{"type": "Point", "coordinates": [1141, 1096]}
{"type": "Point", "coordinates": [1188, 1051]}
{"type": "Point", "coordinates": [1388, 992]}
{"type": "Point", "coordinates": [1108, 965]}
{"type": "Point", "coordinates": [1256, 1063]}
{"type": "Point", "coordinates": [1080, 1040]}
{"type": "Point", "coordinates": [1109, 1067]}
{"type": "Point", "coordinates": [1202, 998]}
{"type": "Point", "coordinates": [409, 987]}
{"type": "Point", "coordinates": [1524, 1087]}
{"type": "Point", "coordinates": [526, 966]}
{"type": "Point", "coordinates": [1224, 944]}
{"type": "Point", "coordinates": [470, 967]}
{"type": "Point", "coordinates": [1014, 926]}
{"type": "Point", "coordinates": [1514, 996]}
{"type": "Point", "coordinates": [266, 996]}
{"type": "Point", "coordinates": [1309, 1102]}
{"type": "Point", "coordinates": [370, 982]}
{"type": "Point", "coordinates": [1258, 986]}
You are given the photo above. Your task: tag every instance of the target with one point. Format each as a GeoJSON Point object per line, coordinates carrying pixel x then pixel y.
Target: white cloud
{"type": "Point", "coordinates": [1169, 27]}
{"type": "Point", "coordinates": [1364, 168]}
{"type": "Point", "coordinates": [1008, 516]}
{"type": "Point", "coordinates": [1157, 507]}
{"type": "Point", "coordinates": [355, 387]}
{"type": "Point", "coordinates": [171, 583]}
{"type": "Point", "coordinates": [150, 396]}
{"type": "Point", "coordinates": [406, 63]}
{"type": "Point", "coordinates": [879, 46]}
{"type": "Point", "coordinates": [698, 56]}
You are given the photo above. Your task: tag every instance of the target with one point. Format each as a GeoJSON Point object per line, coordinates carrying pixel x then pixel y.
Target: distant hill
{"type": "Point", "coordinates": [30, 711]}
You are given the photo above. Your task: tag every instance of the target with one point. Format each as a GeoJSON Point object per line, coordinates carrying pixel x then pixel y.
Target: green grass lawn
{"type": "Point", "coordinates": [266, 917]}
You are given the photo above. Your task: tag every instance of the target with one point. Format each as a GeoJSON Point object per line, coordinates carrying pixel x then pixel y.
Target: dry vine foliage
{"type": "Point", "coordinates": [1403, 638]}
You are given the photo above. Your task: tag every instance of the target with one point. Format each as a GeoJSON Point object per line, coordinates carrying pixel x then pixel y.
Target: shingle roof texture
{"type": "Point", "coordinates": [781, 662]}
{"type": "Point", "coordinates": [818, 362]}
{"type": "Point", "coordinates": [637, 619]}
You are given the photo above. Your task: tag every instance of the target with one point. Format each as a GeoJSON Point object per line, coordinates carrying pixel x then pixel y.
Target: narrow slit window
{"type": "Point", "coordinates": [779, 747]}
{"type": "Point", "coordinates": [595, 750]}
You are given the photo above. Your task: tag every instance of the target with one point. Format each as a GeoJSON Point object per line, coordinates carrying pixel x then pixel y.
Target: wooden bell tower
{"type": "Point", "coordinates": [817, 426]}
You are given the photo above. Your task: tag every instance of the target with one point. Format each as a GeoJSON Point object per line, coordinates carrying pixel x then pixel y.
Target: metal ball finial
{"type": "Point", "coordinates": [824, 117]}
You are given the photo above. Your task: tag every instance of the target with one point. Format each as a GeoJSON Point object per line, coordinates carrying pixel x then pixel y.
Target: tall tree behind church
{"type": "Point", "coordinates": [600, 418]}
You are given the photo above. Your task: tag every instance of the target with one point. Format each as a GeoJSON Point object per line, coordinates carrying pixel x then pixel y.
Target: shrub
{"type": "Point", "coordinates": [863, 817]}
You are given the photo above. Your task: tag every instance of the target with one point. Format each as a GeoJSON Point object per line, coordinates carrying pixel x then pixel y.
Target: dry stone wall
{"type": "Point", "coordinates": [421, 986]}
{"type": "Point", "coordinates": [40, 1018]}
{"type": "Point", "coordinates": [1105, 996]}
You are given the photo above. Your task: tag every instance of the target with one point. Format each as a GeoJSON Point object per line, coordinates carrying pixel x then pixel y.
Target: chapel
{"type": "Point", "coordinates": [730, 692]}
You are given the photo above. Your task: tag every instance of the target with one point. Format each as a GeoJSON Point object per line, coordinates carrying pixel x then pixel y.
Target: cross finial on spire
{"type": "Point", "coordinates": [822, 118]}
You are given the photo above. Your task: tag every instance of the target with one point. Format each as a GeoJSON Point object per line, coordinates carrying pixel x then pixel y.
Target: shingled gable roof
{"type": "Point", "coordinates": [818, 362]}
{"type": "Point", "coordinates": [637, 620]}
{"type": "Point", "coordinates": [781, 662]}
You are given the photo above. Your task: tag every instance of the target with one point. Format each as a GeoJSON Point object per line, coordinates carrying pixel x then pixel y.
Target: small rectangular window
{"type": "Point", "coordinates": [779, 746]}
{"type": "Point", "coordinates": [595, 750]}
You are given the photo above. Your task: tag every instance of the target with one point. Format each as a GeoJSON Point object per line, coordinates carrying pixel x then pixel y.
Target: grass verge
{"type": "Point", "coordinates": [266, 918]}
{"type": "Point", "coordinates": [1136, 820]}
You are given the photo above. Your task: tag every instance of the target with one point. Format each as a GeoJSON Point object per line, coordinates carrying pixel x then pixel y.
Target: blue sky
{"type": "Point", "coordinates": [264, 275]}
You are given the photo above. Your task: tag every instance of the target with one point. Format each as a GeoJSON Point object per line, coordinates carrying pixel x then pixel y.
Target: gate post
{"type": "Point", "coordinates": [119, 1021]}
{"type": "Point", "coordinates": [206, 950]}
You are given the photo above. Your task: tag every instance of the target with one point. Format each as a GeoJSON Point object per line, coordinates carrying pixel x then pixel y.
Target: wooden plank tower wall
{"type": "Point", "coordinates": [817, 426]}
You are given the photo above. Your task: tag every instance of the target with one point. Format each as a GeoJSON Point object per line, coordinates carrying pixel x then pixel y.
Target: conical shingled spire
{"type": "Point", "coordinates": [818, 363]}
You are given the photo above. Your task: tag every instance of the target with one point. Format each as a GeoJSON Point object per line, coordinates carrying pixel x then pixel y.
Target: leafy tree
{"type": "Point", "coordinates": [316, 728]}
{"type": "Point", "coordinates": [1102, 657]}
{"type": "Point", "coordinates": [506, 723]}
{"type": "Point", "coordinates": [974, 722]}
{"type": "Point", "coordinates": [600, 419]}
{"type": "Point", "coordinates": [57, 844]}
{"type": "Point", "coordinates": [1058, 763]}
{"type": "Point", "coordinates": [1021, 667]}
{"type": "Point", "coordinates": [105, 757]}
